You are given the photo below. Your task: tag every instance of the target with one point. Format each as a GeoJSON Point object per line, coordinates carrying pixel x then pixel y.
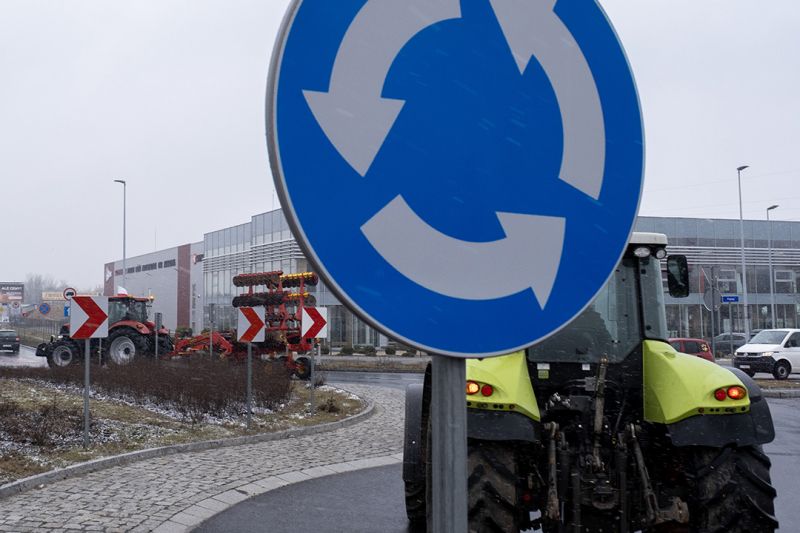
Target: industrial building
{"type": "Point", "coordinates": [191, 280]}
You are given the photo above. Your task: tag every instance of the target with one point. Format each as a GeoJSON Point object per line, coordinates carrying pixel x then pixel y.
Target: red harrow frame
{"type": "Point", "coordinates": [283, 313]}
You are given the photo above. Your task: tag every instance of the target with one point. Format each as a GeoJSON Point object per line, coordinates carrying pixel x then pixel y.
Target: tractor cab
{"type": "Point", "coordinates": [126, 308]}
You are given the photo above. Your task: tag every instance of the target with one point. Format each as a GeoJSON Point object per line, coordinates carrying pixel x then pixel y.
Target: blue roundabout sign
{"type": "Point", "coordinates": [464, 175]}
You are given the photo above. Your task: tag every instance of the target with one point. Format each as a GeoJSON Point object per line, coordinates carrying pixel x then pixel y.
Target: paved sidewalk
{"type": "Point", "coordinates": [176, 492]}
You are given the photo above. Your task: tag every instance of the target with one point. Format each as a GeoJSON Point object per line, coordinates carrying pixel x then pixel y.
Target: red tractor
{"type": "Point", "coordinates": [130, 334]}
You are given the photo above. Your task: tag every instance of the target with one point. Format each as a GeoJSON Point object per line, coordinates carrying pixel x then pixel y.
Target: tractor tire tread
{"type": "Point", "coordinates": [492, 487]}
{"type": "Point", "coordinates": [733, 491]}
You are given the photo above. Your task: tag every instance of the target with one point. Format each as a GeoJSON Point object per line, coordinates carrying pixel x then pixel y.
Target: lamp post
{"type": "Point", "coordinates": [744, 272]}
{"type": "Point", "coordinates": [124, 232]}
{"type": "Point", "coordinates": [771, 277]}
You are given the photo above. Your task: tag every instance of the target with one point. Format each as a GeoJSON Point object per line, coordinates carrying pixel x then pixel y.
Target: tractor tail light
{"type": "Point", "coordinates": [472, 388]}
{"type": "Point", "coordinates": [737, 393]}
{"type": "Point", "coordinates": [487, 390]}
{"type": "Point", "coordinates": [720, 394]}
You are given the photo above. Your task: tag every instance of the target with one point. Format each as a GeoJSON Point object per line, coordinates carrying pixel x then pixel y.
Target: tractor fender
{"type": "Point", "coordinates": [413, 445]}
{"type": "Point", "coordinates": [743, 429]}
{"type": "Point", "coordinates": [502, 426]}
{"type": "Point", "coordinates": [138, 327]}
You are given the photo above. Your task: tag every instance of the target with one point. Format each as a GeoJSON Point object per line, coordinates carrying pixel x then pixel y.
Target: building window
{"type": "Point", "coordinates": [728, 281]}
{"type": "Point", "coordinates": [785, 282]}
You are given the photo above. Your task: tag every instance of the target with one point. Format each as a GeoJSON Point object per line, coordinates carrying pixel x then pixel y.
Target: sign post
{"type": "Point", "coordinates": [159, 319]}
{"type": "Point", "coordinates": [88, 320]}
{"type": "Point", "coordinates": [250, 328]}
{"type": "Point", "coordinates": [373, 99]}
{"type": "Point", "coordinates": [314, 325]}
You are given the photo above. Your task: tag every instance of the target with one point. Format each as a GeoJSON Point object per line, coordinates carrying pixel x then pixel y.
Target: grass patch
{"type": "Point", "coordinates": [375, 364]}
{"type": "Point", "coordinates": [778, 384]}
{"type": "Point", "coordinates": [144, 406]}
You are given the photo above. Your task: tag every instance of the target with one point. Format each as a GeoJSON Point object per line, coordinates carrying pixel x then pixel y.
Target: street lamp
{"type": "Point", "coordinates": [771, 278]}
{"type": "Point", "coordinates": [124, 218]}
{"type": "Point", "coordinates": [744, 272]}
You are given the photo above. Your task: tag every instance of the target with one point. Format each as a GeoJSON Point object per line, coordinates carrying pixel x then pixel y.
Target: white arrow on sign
{"type": "Point", "coordinates": [534, 30]}
{"type": "Point", "coordinates": [250, 324]}
{"type": "Point", "coordinates": [529, 256]}
{"type": "Point", "coordinates": [353, 115]}
{"type": "Point", "coordinates": [88, 317]}
{"type": "Point", "coordinates": [314, 323]}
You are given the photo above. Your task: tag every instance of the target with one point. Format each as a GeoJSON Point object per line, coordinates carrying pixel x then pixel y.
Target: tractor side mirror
{"type": "Point", "coordinates": [678, 276]}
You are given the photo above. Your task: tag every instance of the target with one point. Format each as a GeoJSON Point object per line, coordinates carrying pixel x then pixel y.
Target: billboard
{"type": "Point", "coordinates": [53, 296]}
{"type": "Point", "coordinates": [11, 292]}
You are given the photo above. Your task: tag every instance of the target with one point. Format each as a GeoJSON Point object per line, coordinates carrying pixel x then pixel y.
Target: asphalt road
{"type": "Point", "coordinates": [372, 500]}
{"type": "Point", "coordinates": [364, 501]}
{"type": "Point", "coordinates": [26, 357]}
{"type": "Point", "coordinates": [397, 380]}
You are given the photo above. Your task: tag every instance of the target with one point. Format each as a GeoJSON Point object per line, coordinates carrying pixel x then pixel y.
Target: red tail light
{"type": "Point", "coordinates": [487, 390]}
{"type": "Point", "coordinates": [720, 394]}
{"type": "Point", "coordinates": [737, 393]}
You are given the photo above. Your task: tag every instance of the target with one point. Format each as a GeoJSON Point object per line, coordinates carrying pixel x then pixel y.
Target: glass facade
{"type": "Point", "coordinates": [713, 248]}
{"type": "Point", "coordinates": [266, 244]}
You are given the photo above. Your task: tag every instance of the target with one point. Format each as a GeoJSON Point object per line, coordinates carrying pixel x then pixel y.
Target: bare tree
{"type": "Point", "coordinates": [36, 284]}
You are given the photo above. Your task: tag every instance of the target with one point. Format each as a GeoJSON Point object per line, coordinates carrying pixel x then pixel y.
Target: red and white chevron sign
{"type": "Point", "coordinates": [88, 317]}
{"type": "Point", "coordinates": [251, 327]}
{"type": "Point", "coordinates": [314, 323]}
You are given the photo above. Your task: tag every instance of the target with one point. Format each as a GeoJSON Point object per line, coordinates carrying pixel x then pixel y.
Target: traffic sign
{"type": "Point", "coordinates": [69, 293]}
{"type": "Point", "coordinates": [730, 299]}
{"type": "Point", "coordinates": [251, 327]}
{"type": "Point", "coordinates": [44, 308]}
{"type": "Point", "coordinates": [490, 155]}
{"type": "Point", "coordinates": [89, 320]}
{"type": "Point", "coordinates": [314, 323]}
{"type": "Point", "coordinates": [66, 311]}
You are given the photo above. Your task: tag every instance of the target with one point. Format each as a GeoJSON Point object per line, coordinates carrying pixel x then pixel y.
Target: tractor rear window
{"type": "Point", "coordinates": [609, 327]}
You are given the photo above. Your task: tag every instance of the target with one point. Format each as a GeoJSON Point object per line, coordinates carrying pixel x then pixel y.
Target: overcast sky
{"type": "Point", "coordinates": [169, 95]}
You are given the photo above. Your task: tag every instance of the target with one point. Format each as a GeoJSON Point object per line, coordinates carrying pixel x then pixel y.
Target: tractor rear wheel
{"type": "Point", "coordinates": [124, 346]}
{"type": "Point", "coordinates": [492, 486]}
{"type": "Point", "coordinates": [732, 491]}
{"type": "Point", "coordinates": [61, 354]}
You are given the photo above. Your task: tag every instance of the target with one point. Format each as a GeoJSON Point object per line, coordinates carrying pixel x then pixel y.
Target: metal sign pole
{"type": "Point", "coordinates": [730, 327]}
{"type": "Point", "coordinates": [249, 384]}
{"type": "Point", "coordinates": [449, 451]}
{"type": "Point", "coordinates": [87, 361]}
{"type": "Point", "coordinates": [314, 353]}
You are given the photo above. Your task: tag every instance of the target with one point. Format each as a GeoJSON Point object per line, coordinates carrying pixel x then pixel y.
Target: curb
{"type": "Point", "coordinates": [28, 483]}
{"type": "Point", "coordinates": [780, 393]}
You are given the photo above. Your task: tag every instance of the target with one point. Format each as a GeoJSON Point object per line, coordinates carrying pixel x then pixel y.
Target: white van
{"type": "Point", "coordinates": [776, 351]}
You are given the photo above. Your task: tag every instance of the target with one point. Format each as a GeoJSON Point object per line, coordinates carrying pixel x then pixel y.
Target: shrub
{"type": "Point", "coordinates": [347, 350]}
{"type": "Point", "coordinates": [389, 350]}
{"type": "Point", "coordinates": [367, 349]}
{"type": "Point", "coordinates": [325, 349]}
{"type": "Point", "coordinates": [330, 406]}
{"type": "Point", "coordinates": [194, 387]}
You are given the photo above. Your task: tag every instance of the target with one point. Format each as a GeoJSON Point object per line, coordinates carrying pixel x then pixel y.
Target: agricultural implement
{"type": "Point", "coordinates": [283, 297]}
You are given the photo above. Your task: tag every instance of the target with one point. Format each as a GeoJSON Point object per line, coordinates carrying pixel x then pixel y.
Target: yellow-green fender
{"type": "Point", "coordinates": [679, 393]}
{"type": "Point", "coordinates": [510, 381]}
{"type": "Point", "coordinates": [677, 386]}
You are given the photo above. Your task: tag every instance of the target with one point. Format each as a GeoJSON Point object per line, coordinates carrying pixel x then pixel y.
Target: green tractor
{"type": "Point", "coordinates": [604, 427]}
